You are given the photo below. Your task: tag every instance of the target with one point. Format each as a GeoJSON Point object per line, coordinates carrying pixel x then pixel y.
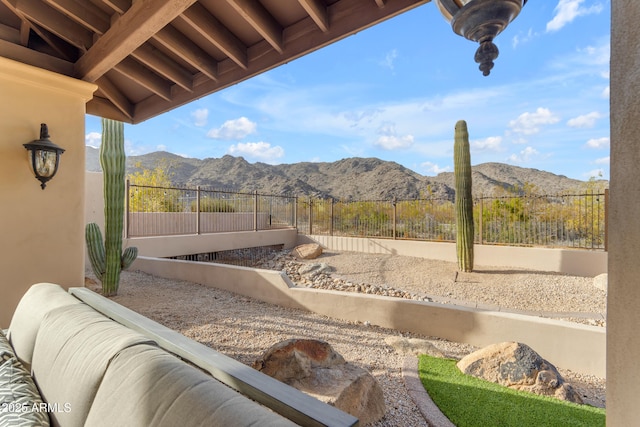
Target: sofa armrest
{"type": "Point", "coordinates": [279, 397]}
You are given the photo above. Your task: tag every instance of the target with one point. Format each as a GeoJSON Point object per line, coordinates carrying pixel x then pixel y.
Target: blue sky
{"type": "Point", "coordinates": [395, 92]}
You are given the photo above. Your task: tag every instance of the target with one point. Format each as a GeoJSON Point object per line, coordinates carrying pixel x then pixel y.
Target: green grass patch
{"type": "Point", "coordinates": [470, 402]}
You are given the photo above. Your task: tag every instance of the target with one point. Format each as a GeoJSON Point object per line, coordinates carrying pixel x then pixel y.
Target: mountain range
{"type": "Point", "coordinates": [347, 179]}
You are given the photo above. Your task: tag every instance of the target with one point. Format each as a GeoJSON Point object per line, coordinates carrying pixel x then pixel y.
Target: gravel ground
{"type": "Point", "coordinates": [243, 328]}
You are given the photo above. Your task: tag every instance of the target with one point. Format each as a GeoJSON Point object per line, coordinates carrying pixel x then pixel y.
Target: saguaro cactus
{"type": "Point", "coordinates": [107, 260]}
{"type": "Point", "coordinates": [464, 200]}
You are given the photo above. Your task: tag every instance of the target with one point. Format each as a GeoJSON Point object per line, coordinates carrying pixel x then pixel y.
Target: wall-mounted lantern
{"type": "Point", "coordinates": [481, 21]}
{"type": "Point", "coordinates": [44, 156]}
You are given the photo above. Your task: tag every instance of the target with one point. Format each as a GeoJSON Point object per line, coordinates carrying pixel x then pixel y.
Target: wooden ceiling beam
{"type": "Point", "coordinates": [11, 34]}
{"type": "Point", "coordinates": [55, 22]}
{"type": "Point", "coordinates": [215, 33]}
{"type": "Point", "coordinates": [261, 20]}
{"type": "Point", "coordinates": [65, 51]}
{"type": "Point", "coordinates": [381, 3]}
{"type": "Point", "coordinates": [85, 14]}
{"type": "Point", "coordinates": [32, 57]}
{"type": "Point", "coordinates": [103, 107]}
{"type": "Point", "coordinates": [318, 12]}
{"type": "Point", "coordinates": [161, 64]}
{"type": "Point", "coordinates": [347, 17]}
{"type": "Point", "coordinates": [117, 98]}
{"type": "Point", "coordinates": [144, 77]}
{"type": "Point", "coordinates": [188, 51]}
{"type": "Point", "coordinates": [119, 6]}
{"type": "Point", "coordinates": [138, 24]}
{"type": "Point", "coordinates": [25, 32]}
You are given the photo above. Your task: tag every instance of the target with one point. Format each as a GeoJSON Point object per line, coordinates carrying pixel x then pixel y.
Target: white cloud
{"type": "Point", "coordinates": [595, 173]}
{"type": "Point", "coordinates": [598, 143]}
{"type": "Point", "coordinates": [388, 60]}
{"type": "Point", "coordinates": [389, 139]}
{"type": "Point", "coordinates": [517, 39]}
{"type": "Point", "coordinates": [432, 168]}
{"type": "Point", "coordinates": [605, 92]}
{"type": "Point", "coordinates": [529, 123]}
{"type": "Point", "coordinates": [388, 142]}
{"type": "Point", "coordinates": [257, 150]}
{"type": "Point", "coordinates": [200, 116]}
{"type": "Point", "coordinates": [492, 143]}
{"type": "Point", "coordinates": [585, 120]}
{"type": "Point", "coordinates": [524, 156]}
{"type": "Point", "coordinates": [603, 161]}
{"type": "Point", "coordinates": [233, 129]}
{"type": "Point", "coordinates": [568, 10]}
{"type": "Point", "coordinates": [93, 139]}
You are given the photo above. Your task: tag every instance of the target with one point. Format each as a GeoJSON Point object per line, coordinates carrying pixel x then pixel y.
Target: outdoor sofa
{"type": "Point", "coordinates": [78, 359]}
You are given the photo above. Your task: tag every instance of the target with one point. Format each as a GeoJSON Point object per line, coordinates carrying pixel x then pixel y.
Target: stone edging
{"type": "Point", "coordinates": [421, 398]}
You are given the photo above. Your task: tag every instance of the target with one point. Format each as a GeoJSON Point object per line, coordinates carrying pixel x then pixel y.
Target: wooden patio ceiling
{"type": "Point", "coordinates": [150, 56]}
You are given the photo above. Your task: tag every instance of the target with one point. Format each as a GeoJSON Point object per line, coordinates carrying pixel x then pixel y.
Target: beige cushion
{"type": "Point", "coordinates": [35, 303]}
{"type": "Point", "coordinates": [20, 402]}
{"type": "Point", "coordinates": [73, 349]}
{"type": "Point", "coordinates": [146, 386]}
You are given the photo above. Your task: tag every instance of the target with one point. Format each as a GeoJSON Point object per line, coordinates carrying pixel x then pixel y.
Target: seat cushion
{"type": "Point", "coordinates": [36, 302]}
{"type": "Point", "coordinates": [74, 346]}
{"type": "Point", "coordinates": [20, 402]}
{"type": "Point", "coordinates": [6, 351]}
{"type": "Point", "coordinates": [146, 386]}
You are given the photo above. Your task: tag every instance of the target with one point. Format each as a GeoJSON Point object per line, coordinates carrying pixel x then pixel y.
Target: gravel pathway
{"type": "Point", "coordinates": [243, 328]}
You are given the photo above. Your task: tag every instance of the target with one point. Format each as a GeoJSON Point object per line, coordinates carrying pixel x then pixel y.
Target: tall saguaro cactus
{"type": "Point", "coordinates": [464, 200]}
{"type": "Point", "coordinates": [107, 260]}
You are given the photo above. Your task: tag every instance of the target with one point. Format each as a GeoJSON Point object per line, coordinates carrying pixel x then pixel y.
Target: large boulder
{"type": "Point", "coordinates": [307, 251]}
{"type": "Point", "coordinates": [312, 366]}
{"type": "Point", "coordinates": [516, 365]}
{"type": "Point", "coordinates": [601, 281]}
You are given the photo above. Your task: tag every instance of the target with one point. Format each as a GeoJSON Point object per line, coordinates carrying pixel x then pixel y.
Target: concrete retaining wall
{"type": "Point", "coordinates": [577, 262]}
{"type": "Point", "coordinates": [568, 345]}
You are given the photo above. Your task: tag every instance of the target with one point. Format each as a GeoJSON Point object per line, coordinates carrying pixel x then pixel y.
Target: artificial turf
{"type": "Point", "coordinates": [471, 402]}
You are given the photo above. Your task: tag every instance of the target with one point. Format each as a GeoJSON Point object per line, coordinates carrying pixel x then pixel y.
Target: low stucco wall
{"type": "Point", "coordinates": [568, 345]}
{"type": "Point", "coordinates": [168, 246]}
{"type": "Point", "coordinates": [577, 262]}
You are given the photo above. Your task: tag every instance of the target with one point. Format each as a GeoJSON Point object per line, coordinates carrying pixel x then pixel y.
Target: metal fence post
{"type": "Point", "coordinates": [331, 219]}
{"type": "Point", "coordinates": [310, 216]}
{"type": "Point", "coordinates": [198, 229]}
{"type": "Point", "coordinates": [255, 210]}
{"type": "Point", "coordinates": [481, 220]}
{"type": "Point", "coordinates": [606, 220]}
{"type": "Point", "coordinates": [127, 208]}
{"type": "Point", "coordinates": [395, 218]}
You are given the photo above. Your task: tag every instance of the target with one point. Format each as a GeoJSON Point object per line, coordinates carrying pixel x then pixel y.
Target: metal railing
{"type": "Point", "coordinates": [564, 220]}
{"type": "Point", "coordinates": [164, 211]}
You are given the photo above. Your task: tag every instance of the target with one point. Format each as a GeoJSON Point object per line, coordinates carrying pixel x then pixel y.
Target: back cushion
{"type": "Point", "coordinates": [73, 349]}
{"type": "Point", "coordinates": [146, 386]}
{"type": "Point", "coordinates": [35, 303]}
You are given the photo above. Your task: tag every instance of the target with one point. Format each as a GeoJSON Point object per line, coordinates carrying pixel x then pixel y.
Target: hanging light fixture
{"type": "Point", "coordinates": [481, 21]}
{"type": "Point", "coordinates": [44, 156]}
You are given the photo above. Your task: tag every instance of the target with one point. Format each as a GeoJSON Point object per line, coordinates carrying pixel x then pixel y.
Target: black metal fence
{"type": "Point", "coordinates": [564, 220]}
{"type": "Point", "coordinates": [162, 211]}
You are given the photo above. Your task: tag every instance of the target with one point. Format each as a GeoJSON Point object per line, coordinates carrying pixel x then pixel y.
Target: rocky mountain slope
{"type": "Point", "coordinates": [348, 179]}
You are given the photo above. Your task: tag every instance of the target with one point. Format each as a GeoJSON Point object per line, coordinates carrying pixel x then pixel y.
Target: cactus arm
{"type": "Point", "coordinates": [463, 198]}
{"type": "Point", "coordinates": [128, 256]}
{"type": "Point", "coordinates": [95, 249]}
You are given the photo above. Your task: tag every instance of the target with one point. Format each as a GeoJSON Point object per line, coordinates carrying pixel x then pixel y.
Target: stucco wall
{"type": "Point", "coordinates": [567, 261]}
{"type": "Point", "coordinates": [568, 345]}
{"type": "Point", "coordinates": [623, 312]}
{"type": "Point", "coordinates": [42, 230]}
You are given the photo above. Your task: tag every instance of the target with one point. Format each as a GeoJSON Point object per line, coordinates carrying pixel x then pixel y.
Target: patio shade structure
{"type": "Point", "coordinates": [150, 56]}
